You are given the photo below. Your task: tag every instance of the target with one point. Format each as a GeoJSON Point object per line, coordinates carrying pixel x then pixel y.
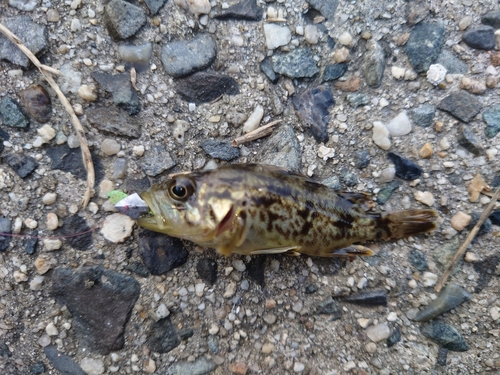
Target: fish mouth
{"type": "Point", "coordinates": [155, 219]}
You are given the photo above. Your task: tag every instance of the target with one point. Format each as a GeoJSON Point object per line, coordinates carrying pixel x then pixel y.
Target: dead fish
{"type": "Point", "coordinates": [257, 209]}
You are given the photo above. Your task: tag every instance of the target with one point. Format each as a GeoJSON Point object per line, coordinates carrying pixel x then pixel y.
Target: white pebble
{"type": "Point", "coordinates": [214, 328]}
{"type": "Point", "coordinates": [52, 244]}
{"type": "Point", "coordinates": [76, 25]}
{"type": "Point", "coordinates": [381, 135]}
{"type": "Point", "coordinates": [73, 141]}
{"type": "Point", "coordinates": [36, 282]}
{"type": "Point", "coordinates": [397, 72]}
{"type": "Point", "coordinates": [199, 288]}
{"type": "Point", "coordinates": [276, 36]}
{"type": "Point", "coordinates": [378, 332]}
{"type": "Point", "coordinates": [311, 34]}
{"type": "Point", "coordinates": [424, 197]}
{"type": "Point", "coordinates": [117, 228]}
{"type": "Point", "coordinates": [92, 366]}
{"type": "Point", "coordinates": [495, 313]}
{"type": "Point", "coordinates": [51, 329]}
{"type": "Point", "coordinates": [87, 92]}
{"type": "Point", "coordinates": [253, 121]}
{"type": "Point", "coordinates": [162, 311]}
{"type": "Point", "coordinates": [52, 221]}
{"type": "Point", "coordinates": [387, 174]}
{"type": "Point", "coordinates": [196, 7]}
{"type": "Point", "coordinates": [110, 146]}
{"type": "Point", "coordinates": [436, 74]}
{"type": "Point", "coordinates": [399, 125]}
{"type": "Point", "coordinates": [30, 223]}
{"type": "Point", "coordinates": [326, 153]}
{"type": "Point", "coordinates": [444, 144]}
{"type": "Point", "coordinates": [392, 317]}
{"type": "Point", "coordinates": [298, 367]}
{"type": "Point", "coordinates": [179, 128]}
{"type": "Point", "coordinates": [47, 133]}
{"type": "Point", "coordinates": [345, 39]}
{"type": "Point", "coordinates": [20, 277]}
{"type": "Point", "coordinates": [239, 265]}
{"type": "Point", "coordinates": [138, 151]}
{"type": "Point", "coordinates": [429, 279]}
{"type": "Point", "coordinates": [230, 290]}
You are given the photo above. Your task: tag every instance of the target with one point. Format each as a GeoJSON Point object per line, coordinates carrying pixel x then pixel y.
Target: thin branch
{"type": "Point", "coordinates": [46, 72]}
{"type": "Point", "coordinates": [255, 134]}
{"type": "Point", "coordinates": [461, 250]}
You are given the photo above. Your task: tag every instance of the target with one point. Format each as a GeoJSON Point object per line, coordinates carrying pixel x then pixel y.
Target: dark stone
{"type": "Point", "coordinates": [70, 160]}
{"type": "Point", "coordinates": [462, 105]}
{"type": "Point", "coordinates": [137, 185]}
{"type": "Point", "coordinates": [298, 63]}
{"type": "Point", "coordinates": [163, 336]}
{"type": "Point", "coordinates": [203, 87]}
{"type": "Point", "coordinates": [31, 34]}
{"type": "Point", "coordinates": [186, 333]}
{"type": "Point", "coordinates": [326, 7]}
{"type": "Point", "coordinates": [329, 307]}
{"type": "Point", "coordinates": [416, 11]}
{"type": "Point", "coordinates": [348, 178]}
{"type": "Point", "coordinates": [22, 164]}
{"type": "Point", "coordinates": [81, 234]}
{"type": "Point", "coordinates": [485, 271]}
{"type": "Point", "coordinates": [31, 244]}
{"type": "Point", "coordinates": [38, 368]}
{"type": "Point", "coordinates": [394, 338]}
{"type": "Point", "coordinates": [123, 19]}
{"type": "Point", "coordinates": [4, 136]}
{"type": "Point", "coordinates": [373, 64]}
{"type": "Point", "coordinates": [333, 72]}
{"type": "Point", "coordinates": [5, 227]}
{"type": "Point", "coordinates": [256, 268]}
{"type": "Point", "coordinates": [467, 140]}
{"type": "Point", "coordinates": [333, 183]}
{"type": "Point", "coordinates": [220, 149]}
{"type": "Point", "coordinates": [385, 192]}
{"type": "Point", "coordinates": [482, 37]}
{"type": "Point", "coordinates": [492, 118]}
{"type": "Point", "coordinates": [138, 268]}
{"type": "Point", "coordinates": [495, 217]}
{"type": "Point", "coordinates": [417, 259]}
{"type": "Point", "coordinates": [5, 351]}
{"type": "Point", "coordinates": [154, 5]}
{"type": "Point", "coordinates": [213, 344]}
{"type": "Point", "coordinates": [483, 229]}
{"type": "Point", "coordinates": [114, 121]}
{"type": "Point", "coordinates": [119, 85]}
{"type": "Point", "coordinates": [442, 357]}
{"type": "Point", "coordinates": [496, 181]}
{"type": "Point", "coordinates": [423, 115]}
{"type": "Point", "coordinates": [246, 10]}
{"type": "Point", "coordinates": [362, 159]}
{"type": "Point", "coordinates": [11, 114]}
{"type": "Point", "coordinates": [445, 336]}
{"type": "Point", "coordinates": [37, 103]}
{"type": "Point", "coordinates": [207, 269]}
{"type": "Point", "coordinates": [424, 45]}
{"type": "Point", "coordinates": [100, 302]}
{"type": "Point", "coordinates": [405, 169]}
{"type": "Point", "coordinates": [157, 160]}
{"type": "Point", "coordinates": [161, 253]}
{"type": "Point", "coordinates": [199, 367]}
{"type": "Point", "coordinates": [313, 106]}
{"type": "Point", "coordinates": [62, 362]}
{"type": "Point", "coordinates": [452, 63]}
{"type": "Point", "coordinates": [310, 289]}
{"type": "Point", "coordinates": [267, 68]}
{"type": "Point", "coordinates": [368, 298]}
{"type": "Point", "coordinates": [491, 19]}
{"type": "Point", "coordinates": [183, 57]}
{"type": "Point", "coordinates": [356, 100]}
{"type": "Point", "coordinates": [282, 149]}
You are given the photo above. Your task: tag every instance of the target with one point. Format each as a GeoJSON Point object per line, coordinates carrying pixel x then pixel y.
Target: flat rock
{"type": "Point", "coordinates": [5, 227]}
{"type": "Point", "coordinates": [123, 19]}
{"type": "Point", "coordinates": [163, 336]}
{"type": "Point", "coordinates": [161, 253]}
{"type": "Point", "coordinates": [356, 100]}
{"type": "Point", "coordinates": [482, 37]}
{"type": "Point", "coordinates": [205, 87]}
{"type": "Point", "coordinates": [452, 63]}
{"type": "Point", "coordinates": [298, 63]}
{"type": "Point", "coordinates": [26, 5]}
{"type": "Point", "coordinates": [424, 45]}
{"type": "Point", "coordinates": [399, 125]}
{"type": "Point", "coordinates": [313, 106]}
{"type": "Point", "coordinates": [207, 269]}
{"type": "Point", "coordinates": [378, 332]}
{"type": "Point", "coordinates": [276, 35]}
{"type": "Point", "coordinates": [184, 57]}
{"type": "Point", "coordinates": [418, 260]}
{"type": "Point", "coordinates": [491, 19]}
{"type": "Point", "coordinates": [329, 307]}
{"type": "Point", "coordinates": [220, 149]}
{"type": "Point", "coordinates": [326, 7]}
{"type": "Point", "coordinates": [386, 191]}
{"type": "Point", "coordinates": [70, 160]}
{"type": "Point", "coordinates": [246, 10]}
{"type": "Point", "coordinates": [120, 87]}
{"type": "Point", "coordinates": [267, 68]}
{"type": "Point", "coordinates": [282, 149]}
{"type": "Point", "coordinates": [445, 336]}
{"type": "Point", "coordinates": [62, 362]}
{"type": "Point", "coordinates": [117, 228]}
{"type": "Point", "coordinates": [157, 160]}
{"type": "Point", "coordinates": [373, 64]}
{"type": "Point", "coordinates": [11, 114]}
{"type": "Point", "coordinates": [100, 302]}
{"type": "Point", "coordinates": [200, 366]}
{"type": "Point", "coordinates": [76, 224]}
{"type": "Point", "coordinates": [36, 101]}
{"type": "Point", "coordinates": [468, 140]}
{"type": "Point", "coordinates": [423, 116]}
{"type": "Point", "coordinates": [33, 36]}
{"type": "Point", "coordinates": [22, 164]}
{"type": "Point", "coordinates": [492, 118]}
{"type": "Point", "coordinates": [256, 269]}
{"type": "Point", "coordinates": [333, 72]}
{"type": "Point", "coordinates": [405, 169]}
{"type": "Point", "coordinates": [461, 104]}
{"type": "Point", "coordinates": [154, 5]}
{"type": "Point", "coordinates": [114, 121]}
{"type": "Point", "coordinates": [394, 338]}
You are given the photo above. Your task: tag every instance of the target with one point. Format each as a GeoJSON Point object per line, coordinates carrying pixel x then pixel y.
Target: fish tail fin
{"type": "Point", "coordinates": [401, 224]}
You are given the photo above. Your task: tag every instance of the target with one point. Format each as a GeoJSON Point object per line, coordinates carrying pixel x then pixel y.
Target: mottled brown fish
{"type": "Point", "coordinates": [256, 209]}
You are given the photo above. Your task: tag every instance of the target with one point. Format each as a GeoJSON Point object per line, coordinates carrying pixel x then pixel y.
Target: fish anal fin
{"type": "Point", "coordinates": [346, 252]}
{"type": "Point", "coordinates": [288, 250]}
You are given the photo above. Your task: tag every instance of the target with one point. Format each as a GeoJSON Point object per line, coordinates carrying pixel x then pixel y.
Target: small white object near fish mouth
{"type": "Point", "coordinates": [132, 206]}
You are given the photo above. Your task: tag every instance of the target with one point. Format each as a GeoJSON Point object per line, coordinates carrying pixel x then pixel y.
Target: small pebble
{"type": "Point", "coordinates": [49, 198]}
{"type": "Point", "coordinates": [460, 220]}
{"type": "Point", "coordinates": [473, 86]}
{"type": "Point", "coordinates": [230, 290]}
{"type": "Point", "coordinates": [426, 151]}
{"type": "Point", "coordinates": [381, 135]}
{"type": "Point", "coordinates": [254, 119]}
{"type": "Point", "coordinates": [345, 39]}
{"type": "Point", "coordinates": [138, 151]}
{"type": "Point", "coordinates": [424, 197]}
{"type": "Point", "coordinates": [311, 34]}
{"type": "Point", "coordinates": [341, 55]}
{"type": "Point", "coordinates": [52, 244]}
{"type": "Point", "coordinates": [52, 221]}
{"type": "Point", "coordinates": [92, 366]}
{"type": "Point", "coordinates": [298, 367]}
{"type": "Point", "coordinates": [51, 329]}
{"type": "Point", "coordinates": [429, 279]}
{"type": "Point", "coordinates": [110, 146]}
{"type": "Point", "coordinates": [88, 93]}
{"type": "Point", "coordinates": [436, 74]}
{"type": "Point", "coordinates": [47, 133]}
{"type": "Point", "coordinates": [378, 332]}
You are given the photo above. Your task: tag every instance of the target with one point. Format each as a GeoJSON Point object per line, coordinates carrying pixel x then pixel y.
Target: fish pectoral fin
{"type": "Point", "coordinates": [289, 250]}
{"type": "Point", "coordinates": [351, 251]}
{"type": "Point", "coordinates": [238, 234]}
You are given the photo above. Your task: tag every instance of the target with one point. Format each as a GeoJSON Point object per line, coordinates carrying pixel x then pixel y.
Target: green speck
{"type": "Point", "coordinates": [116, 195]}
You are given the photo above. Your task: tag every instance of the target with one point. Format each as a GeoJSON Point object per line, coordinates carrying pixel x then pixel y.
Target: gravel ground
{"type": "Point", "coordinates": [268, 314]}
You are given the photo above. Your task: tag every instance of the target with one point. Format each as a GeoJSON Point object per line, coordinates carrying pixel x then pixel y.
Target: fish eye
{"type": "Point", "coordinates": [181, 189]}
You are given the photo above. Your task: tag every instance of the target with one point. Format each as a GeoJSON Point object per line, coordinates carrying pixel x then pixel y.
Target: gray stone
{"type": "Point", "coordinates": [326, 7]}
{"type": "Point", "coordinates": [22, 164]}
{"type": "Point", "coordinates": [363, 158]}
{"type": "Point", "coordinates": [114, 121]}
{"type": "Point", "coordinates": [298, 63]}
{"type": "Point", "coordinates": [424, 45]}
{"type": "Point", "coordinates": [449, 298]}
{"type": "Point", "coordinates": [123, 19]}
{"type": "Point", "coordinates": [373, 65]}
{"type": "Point", "coordinates": [183, 57]}
{"type": "Point", "coordinates": [100, 302]}
{"type": "Point", "coordinates": [62, 362]}
{"type": "Point", "coordinates": [120, 87]}
{"type": "Point", "coordinates": [333, 72]}
{"type": "Point", "coordinates": [332, 182]}
{"type": "Point", "coordinates": [163, 336]}
{"type": "Point", "coordinates": [282, 149]}
{"type": "Point", "coordinates": [329, 307]}
{"type": "Point", "coordinates": [394, 338]}
{"type": "Point", "coordinates": [246, 10]}
{"type": "Point", "coordinates": [348, 178]}
{"type": "Point", "coordinates": [5, 227]}
{"type": "Point", "coordinates": [461, 104]}
{"type": "Point", "coordinates": [161, 253]}
{"type": "Point", "coordinates": [491, 19]}
{"type": "Point", "coordinates": [26, 5]}
{"type": "Point", "coordinates": [482, 37]}
{"type": "Point", "coordinates": [423, 116]}
{"type": "Point", "coordinates": [492, 118]}
{"type": "Point", "coordinates": [267, 69]}
{"type": "Point", "coordinates": [157, 160]}
{"type": "Point", "coordinates": [405, 169]}
{"type": "Point", "coordinates": [154, 5]}
{"type": "Point", "coordinates": [200, 366]}
{"type": "Point", "coordinates": [452, 63]}
{"type": "Point", "coordinates": [204, 87]}
{"type": "Point", "coordinates": [417, 259]}
{"type": "Point", "coordinates": [356, 100]}
{"type": "Point", "coordinates": [445, 336]}
{"type": "Point", "coordinates": [220, 149]}
{"type": "Point", "coordinates": [11, 114]}
{"type": "Point", "coordinates": [416, 11]}
{"type": "Point", "coordinates": [33, 36]}
{"type": "Point", "coordinates": [468, 140]}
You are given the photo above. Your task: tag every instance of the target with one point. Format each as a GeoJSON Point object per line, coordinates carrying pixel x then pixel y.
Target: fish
{"type": "Point", "coordinates": [260, 209]}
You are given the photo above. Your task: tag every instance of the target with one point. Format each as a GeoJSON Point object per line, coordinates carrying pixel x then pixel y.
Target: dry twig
{"type": "Point", "coordinates": [461, 250]}
{"type": "Point", "coordinates": [255, 134]}
{"type": "Point", "coordinates": [46, 72]}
